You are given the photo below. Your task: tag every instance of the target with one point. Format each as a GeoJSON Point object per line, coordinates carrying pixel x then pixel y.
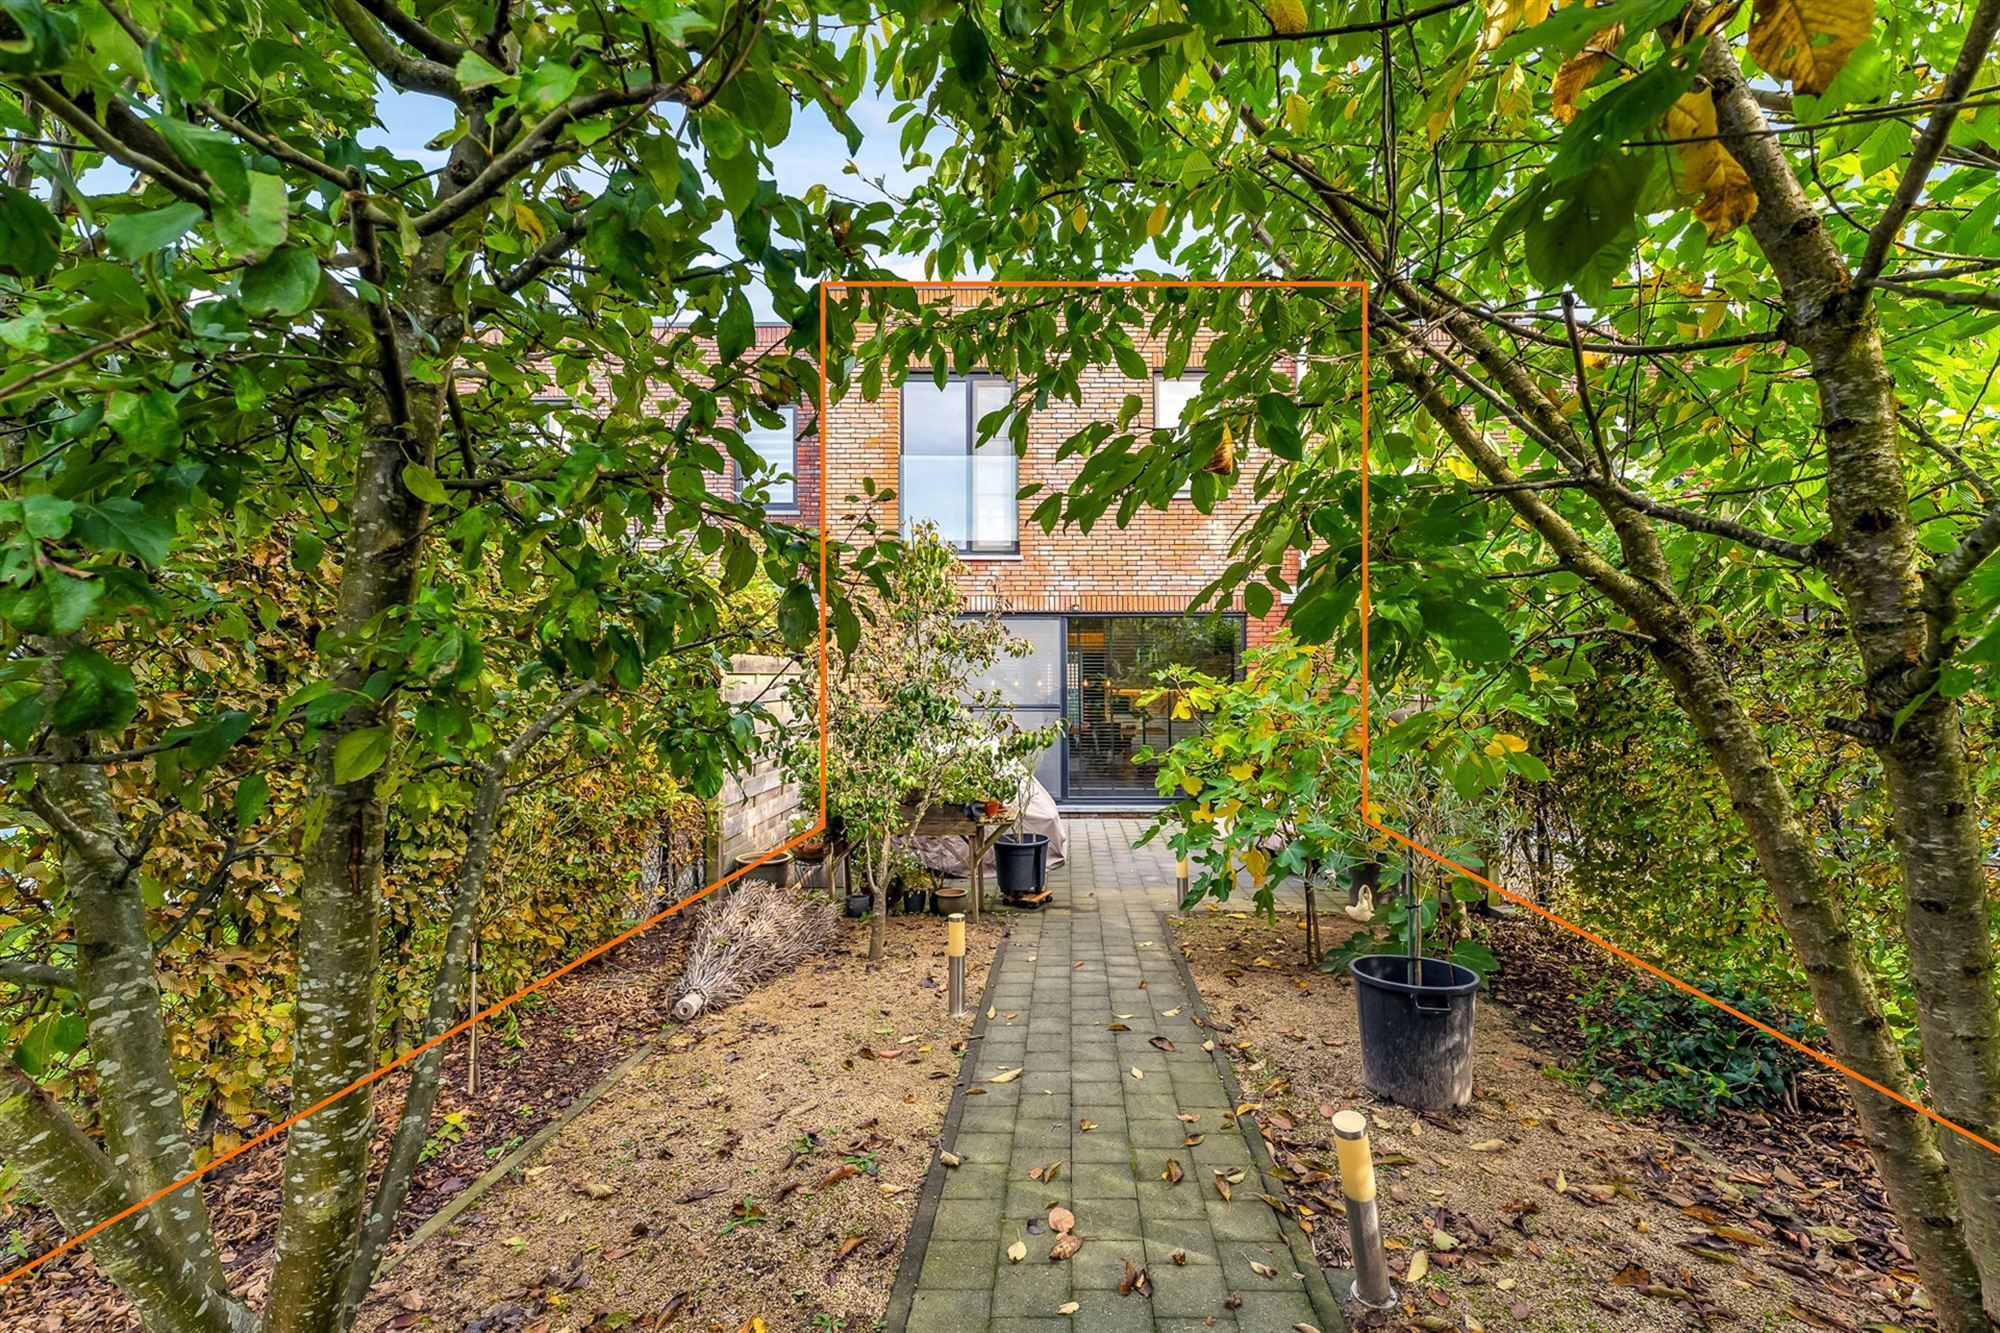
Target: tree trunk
{"type": "Point", "coordinates": [1901, 1143]}
{"type": "Point", "coordinates": [1916, 730]}
{"type": "Point", "coordinates": [145, 1125]}
{"type": "Point", "coordinates": [155, 1272]}
{"type": "Point", "coordinates": [326, 1154]}
{"type": "Point", "coordinates": [447, 994]}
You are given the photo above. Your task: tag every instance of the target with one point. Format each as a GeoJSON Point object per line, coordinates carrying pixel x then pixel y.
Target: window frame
{"type": "Point", "coordinates": [789, 411]}
{"type": "Point", "coordinates": [972, 381]}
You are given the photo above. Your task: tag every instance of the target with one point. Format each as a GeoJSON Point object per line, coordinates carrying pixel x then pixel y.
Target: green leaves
{"type": "Point", "coordinates": [28, 233]}
{"type": "Point", "coordinates": [136, 235]}
{"type": "Point", "coordinates": [283, 283]}
{"type": "Point", "coordinates": [360, 752]}
{"type": "Point", "coordinates": [421, 482]}
{"type": "Point", "coordinates": [971, 54]}
{"type": "Point", "coordinates": [38, 38]}
{"type": "Point", "coordinates": [125, 526]}
{"type": "Point", "coordinates": [98, 694]}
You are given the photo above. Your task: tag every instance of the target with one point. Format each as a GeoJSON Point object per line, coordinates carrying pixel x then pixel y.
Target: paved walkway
{"type": "Point", "coordinates": [1099, 955]}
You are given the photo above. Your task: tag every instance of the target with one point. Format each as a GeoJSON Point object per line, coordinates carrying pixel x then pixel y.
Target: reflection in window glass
{"type": "Point", "coordinates": [777, 448]}
{"type": "Point", "coordinates": [968, 491]}
{"type": "Point", "coordinates": [1170, 400]}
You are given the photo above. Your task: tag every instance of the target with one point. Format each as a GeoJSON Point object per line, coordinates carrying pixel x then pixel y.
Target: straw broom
{"type": "Point", "coordinates": [755, 934]}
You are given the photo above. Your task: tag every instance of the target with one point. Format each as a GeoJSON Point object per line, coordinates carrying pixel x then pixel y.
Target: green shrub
{"type": "Point", "coordinates": [1651, 1048]}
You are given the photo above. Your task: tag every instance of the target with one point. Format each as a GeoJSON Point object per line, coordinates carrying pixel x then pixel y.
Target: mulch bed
{"type": "Point", "coordinates": [563, 1041]}
{"type": "Point", "coordinates": [1561, 1214]}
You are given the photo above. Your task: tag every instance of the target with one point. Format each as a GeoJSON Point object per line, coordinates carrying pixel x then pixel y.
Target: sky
{"type": "Point", "coordinates": [815, 153]}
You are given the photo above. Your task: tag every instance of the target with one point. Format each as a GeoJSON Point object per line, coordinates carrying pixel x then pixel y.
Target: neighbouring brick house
{"type": "Point", "coordinates": [1102, 610]}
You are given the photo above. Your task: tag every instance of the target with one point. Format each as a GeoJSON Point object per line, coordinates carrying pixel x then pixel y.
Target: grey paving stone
{"type": "Point", "coordinates": [966, 1219]}
{"type": "Point", "coordinates": [949, 1311]}
{"type": "Point", "coordinates": [1036, 1287]}
{"type": "Point", "coordinates": [1104, 1180]}
{"type": "Point", "coordinates": [1107, 916]}
{"type": "Point", "coordinates": [959, 1265]}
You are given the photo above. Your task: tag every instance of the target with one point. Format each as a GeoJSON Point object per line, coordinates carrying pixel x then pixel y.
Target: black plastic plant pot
{"type": "Point", "coordinates": [858, 904]}
{"type": "Point", "coordinates": [1022, 862]}
{"type": "Point", "coordinates": [1416, 1039]}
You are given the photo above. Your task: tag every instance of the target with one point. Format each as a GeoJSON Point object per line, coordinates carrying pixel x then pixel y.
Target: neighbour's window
{"type": "Point", "coordinates": [778, 448]}
{"type": "Point", "coordinates": [1170, 400]}
{"type": "Point", "coordinates": [950, 477]}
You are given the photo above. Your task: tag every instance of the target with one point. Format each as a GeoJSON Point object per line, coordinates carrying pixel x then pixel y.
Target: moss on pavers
{"type": "Point", "coordinates": [1275, 1310]}
{"type": "Point", "coordinates": [1107, 1219]}
{"type": "Point", "coordinates": [1104, 1180]}
{"type": "Point", "coordinates": [1238, 1256]}
{"type": "Point", "coordinates": [974, 1147]}
{"type": "Point", "coordinates": [1108, 1312]}
{"type": "Point", "coordinates": [977, 1180]}
{"type": "Point", "coordinates": [1159, 1201]}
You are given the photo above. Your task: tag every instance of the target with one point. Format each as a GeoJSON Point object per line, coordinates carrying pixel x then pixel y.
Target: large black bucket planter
{"type": "Point", "coordinates": [1416, 1040]}
{"type": "Point", "coordinates": [1022, 862]}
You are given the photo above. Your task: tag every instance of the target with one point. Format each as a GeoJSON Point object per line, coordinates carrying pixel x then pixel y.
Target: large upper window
{"type": "Point", "coordinates": [952, 479]}
{"type": "Point", "coordinates": [1170, 400]}
{"type": "Point", "coordinates": [778, 448]}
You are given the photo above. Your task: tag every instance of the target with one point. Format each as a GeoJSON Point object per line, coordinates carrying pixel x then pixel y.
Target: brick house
{"type": "Point", "coordinates": [1102, 610]}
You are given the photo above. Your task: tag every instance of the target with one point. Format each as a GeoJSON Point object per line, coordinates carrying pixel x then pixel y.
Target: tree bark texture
{"type": "Point", "coordinates": [1897, 631]}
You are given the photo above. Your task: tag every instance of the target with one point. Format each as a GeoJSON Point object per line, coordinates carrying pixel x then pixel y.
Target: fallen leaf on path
{"type": "Point", "coordinates": [1138, 1072]}
{"type": "Point", "coordinates": [1136, 1279]}
{"type": "Point", "coordinates": [1172, 1175]}
{"type": "Point", "coordinates": [1017, 1252]}
{"type": "Point", "coordinates": [1222, 1186]}
{"type": "Point", "coordinates": [1066, 1245]}
{"type": "Point", "coordinates": [1262, 1269]}
{"type": "Point", "coordinates": [835, 1176]}
{"type": "Point", "coordinates": [951, 1159]}
{"type": "Point", "coordinates": [1005, 1076]}
{"type": "Point", "coordinates": [1161, 1043]}
{"type": "Point", "coordinates": [1061, 1220]}
{"type": "Point", "coordinates": [1086, 1124]}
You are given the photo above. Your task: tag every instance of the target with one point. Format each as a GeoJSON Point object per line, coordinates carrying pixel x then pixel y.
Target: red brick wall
{"type": "Point", "coordinates": [1159, 562]}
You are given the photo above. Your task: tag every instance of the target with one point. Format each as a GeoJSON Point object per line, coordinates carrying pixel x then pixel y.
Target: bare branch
{"type": "Point", "coordinates": [438, 47]}
{"type": "Point", "coordinates": [409, 72]}
{"type": "Point", "coordinates": [43, 976]}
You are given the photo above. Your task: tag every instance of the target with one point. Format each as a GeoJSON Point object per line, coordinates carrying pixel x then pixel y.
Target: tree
{"type": "Point", "coordinates": [1683, 343]}
{"type": "Point", "coordinates": [457, 393]}
{"type": "Point", "coordinates": [907, 729]}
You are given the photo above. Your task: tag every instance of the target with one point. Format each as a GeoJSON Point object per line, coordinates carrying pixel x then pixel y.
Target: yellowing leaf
{"type": "Point", "coordinates": [1297, 109]}
{"type": "Point", "coordinates": [1005, 1076]}
{"type": "Point", "coordinates": [1726, 200]}
{"type": "Point", "coordinates": [1287, 16]}
{"type": "Point", "coordinates": [1808, 42]}
{"type": "Point", "coordinates": [1503, 16]}
{"type": "Point", "coordinates": [1420, 1264]}
{"type": "Point", "coordinates": [527, 220]}
{"type": "Point", "coordinates": [1079, 217]}
{"type": "Point", "coordinates": [1156, 222]}
{"type": "Point", "coordinates": [1576, 73]}
{"type": "Point", "coordinates": [1017, 1252]}
{"type": "Point", "coordinates": [1242, 772]}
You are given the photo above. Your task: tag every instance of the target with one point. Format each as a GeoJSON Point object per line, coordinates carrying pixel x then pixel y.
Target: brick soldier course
{"type": "Point", "coordinates": [1101, 954]}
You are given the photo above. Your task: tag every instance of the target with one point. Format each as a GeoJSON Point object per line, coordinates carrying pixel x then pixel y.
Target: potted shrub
{"type": "Point", "coordinates": [1272, 783]}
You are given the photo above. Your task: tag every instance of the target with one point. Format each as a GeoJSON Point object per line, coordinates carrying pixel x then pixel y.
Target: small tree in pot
{"type": "Point", "coordinates": [1271, 783]}
{"type": "Point", "coordinates": [905, 729]}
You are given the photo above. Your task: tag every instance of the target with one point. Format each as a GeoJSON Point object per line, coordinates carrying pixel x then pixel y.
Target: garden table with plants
{"type": "Point", "coordinates": [980, 832]}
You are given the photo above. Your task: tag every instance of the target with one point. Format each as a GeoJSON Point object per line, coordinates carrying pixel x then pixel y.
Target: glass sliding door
{"type": "Point", "coordinates": [1110, 663]}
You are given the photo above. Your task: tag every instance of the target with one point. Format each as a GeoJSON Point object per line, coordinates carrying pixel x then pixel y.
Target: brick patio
{"type": "Point", "coordinates": [1101, 954]}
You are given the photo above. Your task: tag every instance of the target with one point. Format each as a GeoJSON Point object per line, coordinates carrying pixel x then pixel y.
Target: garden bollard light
{"type": "Point", "coordinates": [1181, 878]}
{"type": "Point", "coordinates": [1364, 1222]}
{"type": "Point", "coordinates": [954, 949]}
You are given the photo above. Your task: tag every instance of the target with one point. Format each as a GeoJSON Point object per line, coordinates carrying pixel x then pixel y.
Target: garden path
{"type": "Point", "coordinates": [1101, 955]}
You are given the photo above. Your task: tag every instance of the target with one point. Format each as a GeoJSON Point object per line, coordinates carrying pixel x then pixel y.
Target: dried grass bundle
{"type": "Point", "coordinates": [747, 937]}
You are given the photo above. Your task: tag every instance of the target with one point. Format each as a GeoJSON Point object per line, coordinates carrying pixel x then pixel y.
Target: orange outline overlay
{"type": "Point", "coordinates": [820, 426]}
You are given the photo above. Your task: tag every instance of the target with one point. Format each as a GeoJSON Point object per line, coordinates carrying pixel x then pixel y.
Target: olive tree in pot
{"type": "Point", "coordinates": [906, 731]}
